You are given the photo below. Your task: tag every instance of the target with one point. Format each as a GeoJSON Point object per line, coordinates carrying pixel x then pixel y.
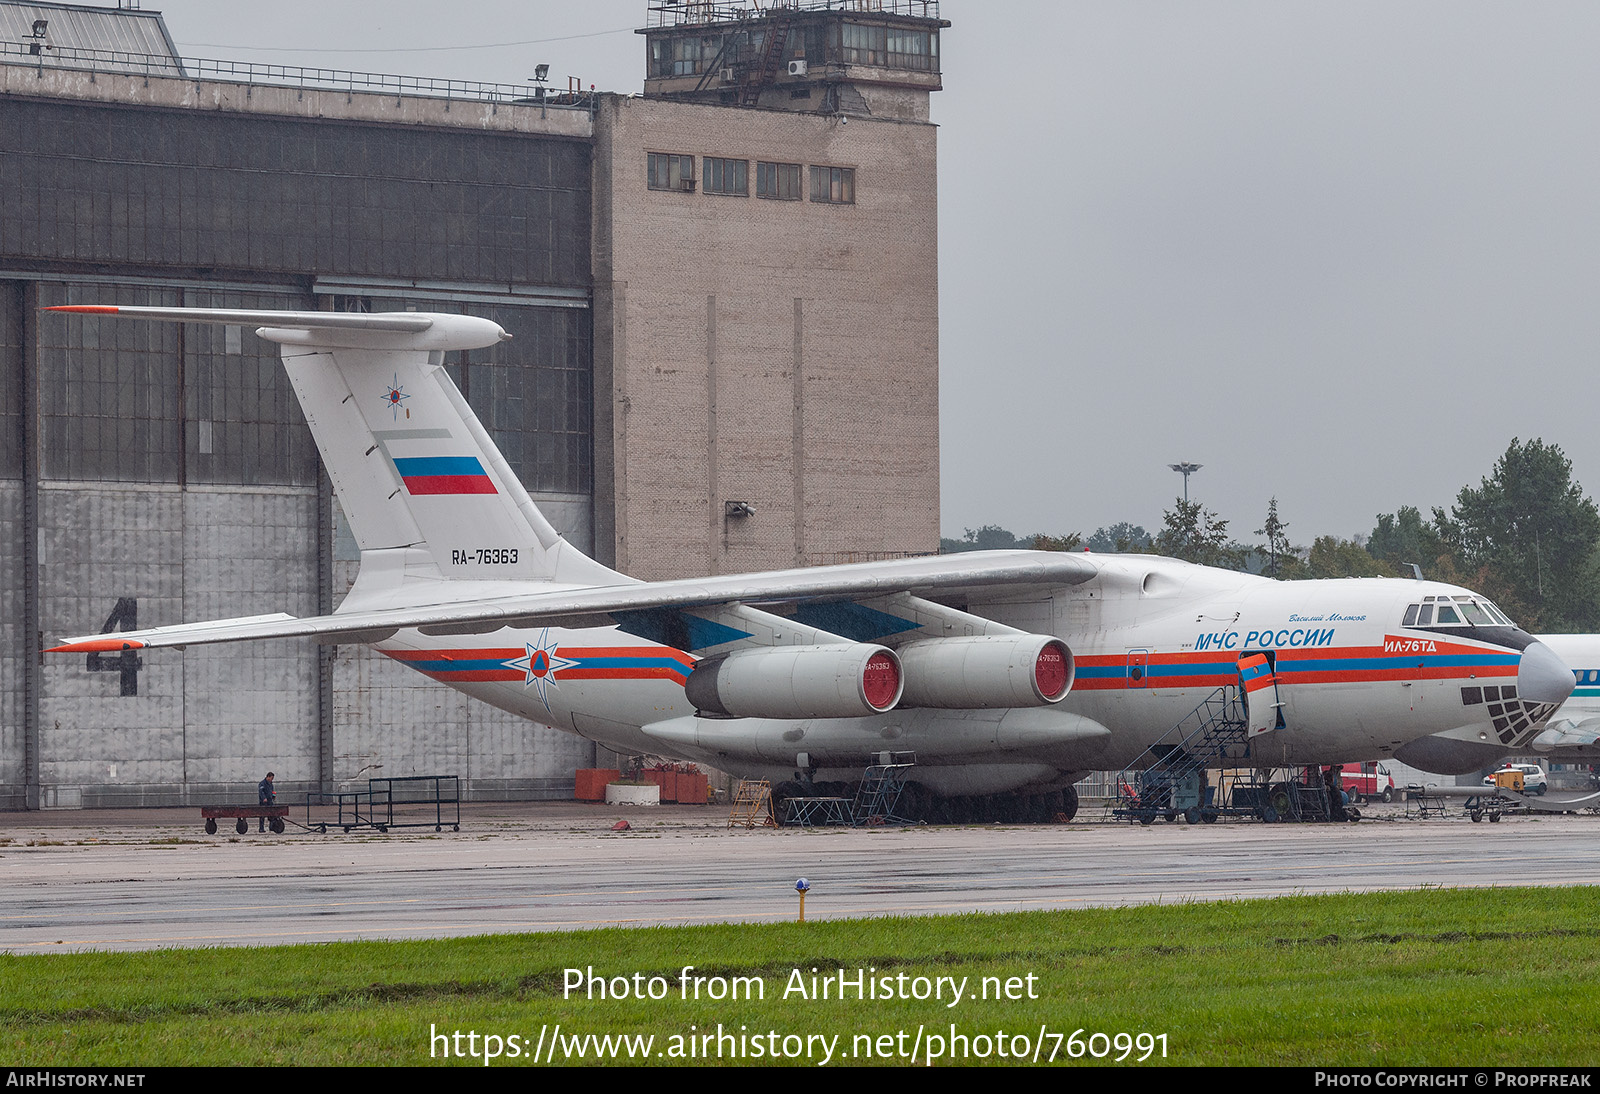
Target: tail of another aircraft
{"type": "Point", "coordinates": [427, 494]}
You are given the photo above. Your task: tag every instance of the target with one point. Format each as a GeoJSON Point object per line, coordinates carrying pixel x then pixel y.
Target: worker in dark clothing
{"type": "Point", "coordinates": [267, 794]}
{"type": "Point", "coordinates": [1334, 780]}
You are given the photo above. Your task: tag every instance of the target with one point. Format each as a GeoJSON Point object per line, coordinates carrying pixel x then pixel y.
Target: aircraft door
{"type": "Point", "coordinates": [1138, 668]}
{"type": "Point", "coordinates": [1258, 690]}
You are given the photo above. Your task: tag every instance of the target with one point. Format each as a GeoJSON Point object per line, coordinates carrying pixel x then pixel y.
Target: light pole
{"type": "Point", "coordinates": [1185, 469]}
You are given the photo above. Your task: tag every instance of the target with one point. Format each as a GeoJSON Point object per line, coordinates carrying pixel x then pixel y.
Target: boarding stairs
{"type": "Point", "coordinates": [1173, 781]}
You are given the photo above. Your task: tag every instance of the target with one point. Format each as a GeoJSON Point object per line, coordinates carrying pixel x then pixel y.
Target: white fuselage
{"type": "Point", "coordinates": [1149, 644]}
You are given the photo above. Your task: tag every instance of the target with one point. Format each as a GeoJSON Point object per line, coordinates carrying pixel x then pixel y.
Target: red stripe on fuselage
{"type": "Point", "coordinates": [457, 676]}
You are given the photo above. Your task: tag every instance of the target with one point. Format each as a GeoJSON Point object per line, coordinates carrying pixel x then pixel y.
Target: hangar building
{"type": "Point", "coordinates": [722, 291]}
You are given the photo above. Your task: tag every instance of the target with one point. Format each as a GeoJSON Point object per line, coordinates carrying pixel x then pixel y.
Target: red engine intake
{"type": "Point", "coordinates": [986, 671]}
{"type": "Point", "coordinates": [843, 681]}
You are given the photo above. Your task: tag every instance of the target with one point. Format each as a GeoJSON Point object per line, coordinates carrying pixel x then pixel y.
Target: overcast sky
{"type": "Point", "coordinates": [1339, 252]}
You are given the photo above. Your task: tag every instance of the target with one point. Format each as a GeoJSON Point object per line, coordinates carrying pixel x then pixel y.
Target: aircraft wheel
{"type": "Point", "coordinates": [276, 824]}
{"type": "Point", "coordinates": [1388, 795]}
{"type": "Point", "coordinates": [241, 827]}
{"type": "Point", "coordinates": [1192, 814]}
{"type": "Point", "coordinates": [787, 789]}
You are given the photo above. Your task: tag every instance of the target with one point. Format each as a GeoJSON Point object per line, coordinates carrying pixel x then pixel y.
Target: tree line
{"type": "Point", "coordinates": [1527, 536]}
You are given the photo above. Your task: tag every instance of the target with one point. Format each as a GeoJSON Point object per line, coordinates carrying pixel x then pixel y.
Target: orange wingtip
{"type": "Point", "coordinates": [84, 309]}
{"type": "Point", "coordinates": [98, 645]}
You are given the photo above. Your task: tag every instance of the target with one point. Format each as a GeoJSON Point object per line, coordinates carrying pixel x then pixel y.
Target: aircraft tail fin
{"type": "Point", "coordinates": [428, 495]}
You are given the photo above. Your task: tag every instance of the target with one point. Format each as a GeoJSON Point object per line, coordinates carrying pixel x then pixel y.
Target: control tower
{"type": "Point", "coordinates": [858, 57]}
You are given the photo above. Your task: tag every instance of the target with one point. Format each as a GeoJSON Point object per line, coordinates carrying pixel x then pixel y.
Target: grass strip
{"type": "Point", "coordinates": [1484, 977]}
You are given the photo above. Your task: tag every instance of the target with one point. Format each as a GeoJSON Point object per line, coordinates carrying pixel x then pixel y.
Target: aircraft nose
{"type": "Point", "coordinates": [1542, 677]}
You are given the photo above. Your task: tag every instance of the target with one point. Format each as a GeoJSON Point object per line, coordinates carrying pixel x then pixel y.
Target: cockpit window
{"type": "Point", "coordinates": [1455, 611]}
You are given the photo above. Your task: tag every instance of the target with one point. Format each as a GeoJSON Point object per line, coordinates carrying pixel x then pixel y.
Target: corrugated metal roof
{"type": "Point", "coordinates": [80, 36]}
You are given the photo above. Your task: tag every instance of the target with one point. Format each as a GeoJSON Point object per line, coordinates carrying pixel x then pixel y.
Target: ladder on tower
{"type": "Point", "coordinates": [766, 69]}
{"type": "Point", "coordinates": [1173, 781]}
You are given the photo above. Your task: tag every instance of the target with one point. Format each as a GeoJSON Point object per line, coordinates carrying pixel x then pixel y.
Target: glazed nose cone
{"type": "Point", "coordinates": [1542, 677]}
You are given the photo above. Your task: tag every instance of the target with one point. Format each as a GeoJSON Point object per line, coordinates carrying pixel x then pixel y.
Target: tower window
{"type": "Point", "coordinates": [780, 181]}
{"type": "Point", "coordinates": [669, 172]}
{"type": "Point", "coordinates": [834, 185]}
{"type": "Point", "coordinates": [730, 177]}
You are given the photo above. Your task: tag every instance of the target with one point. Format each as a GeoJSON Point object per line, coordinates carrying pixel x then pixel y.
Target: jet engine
{"type": "Point", "coordinates": [851, 680]}
{"type": "Point", "coordinates": [986, 672]}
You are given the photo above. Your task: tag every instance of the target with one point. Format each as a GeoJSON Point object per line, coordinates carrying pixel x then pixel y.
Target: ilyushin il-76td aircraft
{"type": "Point", "coordinates": [1000, 671]}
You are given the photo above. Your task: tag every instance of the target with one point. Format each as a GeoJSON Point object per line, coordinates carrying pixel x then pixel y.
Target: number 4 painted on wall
{"type": "Point", "coordinates": [124, 617]}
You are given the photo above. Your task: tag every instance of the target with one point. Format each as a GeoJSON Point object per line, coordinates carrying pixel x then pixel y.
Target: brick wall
{"type": "Point", "coordinates": [707, 305]}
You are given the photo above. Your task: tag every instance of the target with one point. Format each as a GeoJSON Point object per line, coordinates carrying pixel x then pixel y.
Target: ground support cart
{"type": "Point", "coordinates": [1492, 806]}
{"type": "Point", "coordinates": [241, 814]}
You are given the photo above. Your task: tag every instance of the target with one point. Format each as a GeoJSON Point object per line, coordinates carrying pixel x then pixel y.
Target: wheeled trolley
{"type": "Point", "coordinates": [241, 814]}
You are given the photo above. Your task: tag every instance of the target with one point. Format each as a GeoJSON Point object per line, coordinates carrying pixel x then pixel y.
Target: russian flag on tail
{"type": "Point", "coordinates": [444, 475]}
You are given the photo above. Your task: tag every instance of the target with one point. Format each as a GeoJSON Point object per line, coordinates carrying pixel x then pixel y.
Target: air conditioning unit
{"type": "Point", "coordinates": [797, 68]}
{"type": "Point", "coordinates": [686, 185]}
{"type": "Point", "coordinates": [729, 75]}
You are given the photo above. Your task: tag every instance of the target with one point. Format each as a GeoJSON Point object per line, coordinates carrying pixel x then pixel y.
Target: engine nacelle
{"type": "Point", "coordinates": [838, 681]}
{"type": "Point", "coordinates": [986, 671]}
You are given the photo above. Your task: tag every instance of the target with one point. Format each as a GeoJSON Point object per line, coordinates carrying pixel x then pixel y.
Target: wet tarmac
{"type": "Point", "coordinates": [145, 879]}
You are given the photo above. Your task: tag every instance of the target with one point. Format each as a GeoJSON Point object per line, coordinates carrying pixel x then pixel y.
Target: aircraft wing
{"type": "Point", "coordinates": [941, 575]}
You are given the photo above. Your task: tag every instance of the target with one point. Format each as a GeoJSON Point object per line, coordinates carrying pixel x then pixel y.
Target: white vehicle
{"type": "Point", "coordinates": [998, 670]}
{"type": "Point", "coordinates": [1533, 777]}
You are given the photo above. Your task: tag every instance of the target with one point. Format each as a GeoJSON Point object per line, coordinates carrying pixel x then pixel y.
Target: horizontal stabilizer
{"type": "Point", "coordinates": [332, 329]}
{"type": "Point", "coordinates": [114, 641]}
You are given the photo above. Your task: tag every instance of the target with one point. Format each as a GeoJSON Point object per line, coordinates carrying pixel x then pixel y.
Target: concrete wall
{"type": "Point", "coordinates": [13, 657]}
{"type": "Point", "coordinates": [184, 192]}
{"type": "Point", "coordinates": [202, 724]}
{"type": "Point", "coordinates": [782, 353]}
